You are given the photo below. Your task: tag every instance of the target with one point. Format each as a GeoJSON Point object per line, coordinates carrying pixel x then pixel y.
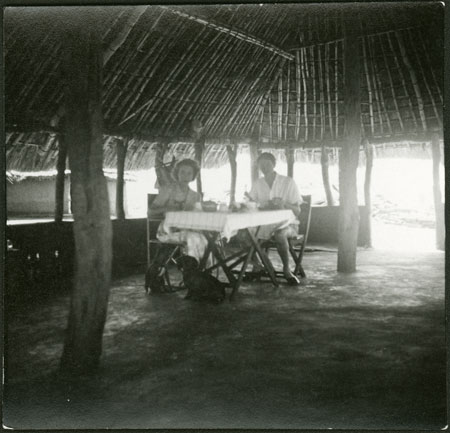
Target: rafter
{"type": "Point", "coordinates": [232, 32]}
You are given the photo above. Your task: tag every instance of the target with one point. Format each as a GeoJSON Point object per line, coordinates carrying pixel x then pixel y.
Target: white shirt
{"type": "Point", "coordinates": [283, 187]}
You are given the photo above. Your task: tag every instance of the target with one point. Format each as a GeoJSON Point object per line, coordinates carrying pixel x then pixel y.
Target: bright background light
{"type": "Point", "coordinates": [402, 195]}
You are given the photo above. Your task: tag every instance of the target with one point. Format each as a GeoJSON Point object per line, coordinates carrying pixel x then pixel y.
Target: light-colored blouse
{"type": "Point", "coordinates": [283, 187]}
{"type": "Point", "coordinates": [172, 198]}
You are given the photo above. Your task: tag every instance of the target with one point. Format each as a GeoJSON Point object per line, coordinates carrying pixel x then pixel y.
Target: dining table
{"type": "Point", "coordinates": [219, 227]}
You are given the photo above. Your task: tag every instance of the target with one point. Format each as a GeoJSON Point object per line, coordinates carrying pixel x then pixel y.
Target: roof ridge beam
{"type": "Point", "coordinates": [359, 35]}
{"type": "Point", "coordinates": [232, 32]}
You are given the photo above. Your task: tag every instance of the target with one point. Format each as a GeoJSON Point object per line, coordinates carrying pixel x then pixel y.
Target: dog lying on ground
{"type": "Point", "coordinates": [200, 286]}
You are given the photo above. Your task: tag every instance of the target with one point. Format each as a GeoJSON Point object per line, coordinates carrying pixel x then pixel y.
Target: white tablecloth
{"type": "Point", "coordinates": [227, 223]}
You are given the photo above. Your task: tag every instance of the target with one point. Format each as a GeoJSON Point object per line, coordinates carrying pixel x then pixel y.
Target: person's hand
{"type": "Point", "coordinates": [157, 212]}
{"type": "Point", "coordinates": [277, 203]}
{"type": "Point", "coordinates": [174, 207]}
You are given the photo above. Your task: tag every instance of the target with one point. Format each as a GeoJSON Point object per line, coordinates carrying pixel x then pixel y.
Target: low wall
{"type": "Point", "coordinates": [42, 259]}
{"type": "Point", "coordinates": [324, 225]}
{"type": "Point", "coordinates": [34, 196]}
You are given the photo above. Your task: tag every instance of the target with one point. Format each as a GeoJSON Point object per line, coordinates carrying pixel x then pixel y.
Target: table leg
{"type": "Point", "coordinates": [220, 257]}
{"type": "Point", "coordinates": [242, 271]}
{"type": "Point", "coordinates": [208, 251]}
{"type": "Point", "coordinates": [263, 256]}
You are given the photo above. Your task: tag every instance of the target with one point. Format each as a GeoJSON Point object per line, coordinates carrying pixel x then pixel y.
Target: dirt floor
{"type": "Point", "coordinates": [365, 350]}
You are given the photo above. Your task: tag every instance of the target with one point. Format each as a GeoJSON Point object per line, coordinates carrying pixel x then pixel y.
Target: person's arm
{"type": "Point", "coordinates": [294, 208]}
{"type": "Point", "coordinates": [280, 203]}
{"type": "Point", "coordinates": [294, 199]}
{"type": "Point", "coordinates": [192, 198]}
{"type": "Point", "coordinates": [291, 199]}
{"type": "Point", "coordinates": [158, 207]}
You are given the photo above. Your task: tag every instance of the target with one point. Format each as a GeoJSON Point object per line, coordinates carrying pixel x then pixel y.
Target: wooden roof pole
{"type": "Point", "coordinates": [121, 151]}
{"type": "Point", "coordinates": [254, 153]}
{"type": "Point", "coordinates": [232, 32]}
{"type": "Point", "coordinates": [438, 205]}
{"type": "Point", "coordinates": [348, 161]}
{"type": "Point", "coordinates": [369, 152]}
{"type": "Point", "coordinates": [290, 160]}
{"type": "Point", "coordinates": [326, 175]}
{"type": "Point", "coordinates": [413, 76]}
{"type": "Point", "coordinates": [427, 86]}
{"type": "Point", "coordinates": [60, 179]}
{"type": "Point", "coordinates": [199, 148]}
{"type": "Point", "coordinates": [121, 37]}
{"type": "Point", "coordinates": [232, 152]}
{"type": "Point", "coordinates": [136, 13]}
{"type": "Point", "coordinates": [360, 34]}
{"type": "Point", "coordinates": [267, 99]}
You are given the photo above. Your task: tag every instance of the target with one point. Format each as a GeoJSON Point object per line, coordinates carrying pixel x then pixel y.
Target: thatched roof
{"type": "Point", "coordinates": [229, 73]}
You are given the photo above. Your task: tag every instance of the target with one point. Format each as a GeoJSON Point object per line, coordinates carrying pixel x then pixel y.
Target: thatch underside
{"type": "Point", "coordinates": [271, 74]}
{"type": "Point", "coordinates": [25, 152]}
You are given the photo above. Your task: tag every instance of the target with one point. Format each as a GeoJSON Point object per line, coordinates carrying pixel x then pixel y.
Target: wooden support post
{"type": "Point", "coordinates": [368, 149]}
{"type": "Point", "coordinates": [163, 171]}
{"type": "Point", "coordinates": [254, 153]}
{"type": "Point", "coordinates": [232, 152]}
{"type": "Point", "coordinates": [348, 161]}
{"type": "Point", "coordinates": [90, 204]}
{"type": "Point", "coordinates": [326, 175]}
{"type": "Point", "coordinates": [438, 205]}
{"type": "Point", "coordinates": [121, 150]}
{"type": "Point", "coordinates": [290, 160]}
{"type": "Point", "coordinates": [199, 147]}
{"type": "Point", "coordinates": [60, 179]}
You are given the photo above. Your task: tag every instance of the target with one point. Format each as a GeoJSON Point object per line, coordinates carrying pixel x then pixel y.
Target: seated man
{"type": "Point", "coordinates": [275, 191]}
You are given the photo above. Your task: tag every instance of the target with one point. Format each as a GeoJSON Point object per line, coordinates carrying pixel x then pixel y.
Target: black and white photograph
{"type": "Point", "coordinates": [225, 216]}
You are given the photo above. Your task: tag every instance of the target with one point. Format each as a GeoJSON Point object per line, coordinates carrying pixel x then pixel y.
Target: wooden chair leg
{"type": "Point", "coordinates": [299, 270]}
{"type": "Point", "coordinates": [298, 262]}
{"type": "Point", "coordinates": [169, 259]}
{"type": "Point", "coordinates": [167, 278]}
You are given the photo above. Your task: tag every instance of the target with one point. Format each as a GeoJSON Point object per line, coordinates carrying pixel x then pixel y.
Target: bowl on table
{"type": "Point", "coordinates": [209, 206]}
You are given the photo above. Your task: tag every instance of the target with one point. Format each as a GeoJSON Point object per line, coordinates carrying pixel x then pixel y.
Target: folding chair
{"type": "Point", "coordinates": [297, 244]}
{"type": "Point", "coordinates": [173, 248]}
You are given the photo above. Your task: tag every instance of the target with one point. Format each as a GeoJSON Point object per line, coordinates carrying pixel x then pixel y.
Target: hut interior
{"type": "Point", "coordinates": [345, 95]}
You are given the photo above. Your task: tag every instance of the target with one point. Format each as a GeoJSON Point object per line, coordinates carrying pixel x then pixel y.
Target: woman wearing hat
{"type": "Point", "coordinates": [175, 197]}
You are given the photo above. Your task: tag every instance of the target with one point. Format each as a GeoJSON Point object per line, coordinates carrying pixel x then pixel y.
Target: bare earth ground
{"type": "Point", "coordinates": [365, 350]}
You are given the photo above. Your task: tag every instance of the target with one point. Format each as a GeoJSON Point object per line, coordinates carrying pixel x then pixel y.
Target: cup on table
{"type": "Point", "coordinates": [252, 206]}
{"type": "Point", "coordinates": [223, 207]}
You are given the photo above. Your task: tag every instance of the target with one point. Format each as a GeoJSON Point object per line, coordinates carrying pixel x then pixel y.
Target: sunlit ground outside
{"type": "Point", "coordinates": [402, 196]}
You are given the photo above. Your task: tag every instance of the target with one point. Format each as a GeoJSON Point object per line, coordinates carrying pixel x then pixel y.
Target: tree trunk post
{"type": "Point", "coordinates": [325, 175]}
{"type": "Point", "coordinates": [60, 179]}
{"type": "Point", "coordinates": [348, 162]}
{"type": "Point", "coordinates": [290, 160]}
{"type": "Point", "coordinates": [199, 147]}
{"type": "Point", "coordinates": [121, 150]}
{"type": "Point", "coordinates": [90, 203]}
{"type": "Point", "coordinates": [438, 205]}
{"type": "Point", "coordinates": [232, 151]}
{"type": "Point", "coordinates": [254, 153]}
{"type": "Point", "coordinates": [368, 150]}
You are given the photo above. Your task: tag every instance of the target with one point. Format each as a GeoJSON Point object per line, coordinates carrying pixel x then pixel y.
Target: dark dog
{"type": "Point", "coordinates": [200, 286]}
{"type": "Point", "coordinates": [154, 279]}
